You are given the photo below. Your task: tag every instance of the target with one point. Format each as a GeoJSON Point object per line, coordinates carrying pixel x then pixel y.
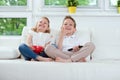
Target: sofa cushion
{"type": "Point", "coordinates": [24, 34]}
{"type": "Point", "coordinates": [33, 70]}
{"type": "Point", "coordinates": [8, 47]}
{"type": "Point", "coordinates": [84, 34]}
{"type": "Point", "coordinates": [106, 52]}
{"type": "Point", "coordinates": [8, 53]}
{"type": "Point", "coordinates": [10, 41]}
{"type": "Point", "coordinates": [107, 42]}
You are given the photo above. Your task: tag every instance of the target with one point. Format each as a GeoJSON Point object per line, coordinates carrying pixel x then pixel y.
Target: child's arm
{"type": "Point", "coordinates": [61, 37]}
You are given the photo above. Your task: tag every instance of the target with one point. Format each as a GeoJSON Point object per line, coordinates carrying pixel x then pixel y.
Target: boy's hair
{"type": "Point", "coordinates": [47, 31]}
{"type": "Point", "coordinates": [69, 17]}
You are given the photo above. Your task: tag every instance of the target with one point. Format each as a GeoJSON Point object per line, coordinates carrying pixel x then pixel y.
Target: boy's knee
{"type": "Point", "coordinates": [91, 45]}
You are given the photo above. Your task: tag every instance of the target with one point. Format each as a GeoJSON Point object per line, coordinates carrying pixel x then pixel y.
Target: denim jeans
{"type": "Point", "coordinates": [28, 54]}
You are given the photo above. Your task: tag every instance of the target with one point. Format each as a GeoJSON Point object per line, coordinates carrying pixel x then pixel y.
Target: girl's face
{"type": "Point", "coordinates": [68, 26]}
{"type": "Point", "coordinates": [42, 25]}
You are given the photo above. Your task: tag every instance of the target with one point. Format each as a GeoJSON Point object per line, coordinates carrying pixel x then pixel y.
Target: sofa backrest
{"type": "Point", "coordinates": [107, 42]}
{"type": "Point", "coordinates": [24, 34]}
{"type": "Point", "coordinates": [9, 41]}
{"type": "Point", "coordinates": [9, 47]}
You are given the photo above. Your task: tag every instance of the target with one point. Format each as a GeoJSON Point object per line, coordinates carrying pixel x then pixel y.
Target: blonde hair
{"type": "Point", "coordinates": [47, 31]}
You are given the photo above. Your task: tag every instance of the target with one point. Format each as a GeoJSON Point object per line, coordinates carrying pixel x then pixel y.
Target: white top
{"type": "Point", "coordinates": [40, 38]}
{"type": "Point", "coordinates": [70, 42]}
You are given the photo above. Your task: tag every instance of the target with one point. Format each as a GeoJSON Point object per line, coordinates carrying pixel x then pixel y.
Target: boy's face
{"type": "Point", "coordinates": [68, 25]}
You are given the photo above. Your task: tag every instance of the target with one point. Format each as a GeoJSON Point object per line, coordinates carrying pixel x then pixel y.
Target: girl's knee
{"type": "Point", "coordinates": [21, 46]}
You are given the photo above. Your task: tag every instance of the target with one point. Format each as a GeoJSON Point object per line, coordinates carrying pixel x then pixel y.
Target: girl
{"type": "Point", "coordinates": [38, 36]}
{"type": "Point", "coordinates": [68, 44]}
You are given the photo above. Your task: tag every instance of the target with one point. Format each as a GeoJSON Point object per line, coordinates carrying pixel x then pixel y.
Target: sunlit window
{"type": "Point", "coordinates": [63, 2]}
{"type": "Point", "coordinates": [13, 2]}
{"type": "Point", "coordinates": [113, 2]}
{"type": "Point", "coordinates": [12, 26]}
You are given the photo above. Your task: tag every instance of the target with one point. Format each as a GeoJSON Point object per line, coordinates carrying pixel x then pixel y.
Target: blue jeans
{"type": "Point", "coordinates": [29, 54]}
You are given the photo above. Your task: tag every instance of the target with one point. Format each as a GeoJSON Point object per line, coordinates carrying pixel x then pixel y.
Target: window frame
{"type": "Point", "coordinates": [108, 6]}
{"type": "Point", "coordinates": [63, 8]}
{"type": "Point", "coordinates": [26, 15]}
{"type": "Point", "coordinates": [18, 12]}
{"type": "Point", "coordinates": [103, 7]}
{"type": "Point", "coordinates": [28, 7]}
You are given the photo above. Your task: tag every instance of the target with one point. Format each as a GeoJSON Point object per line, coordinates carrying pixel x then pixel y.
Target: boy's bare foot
{"type": "Point", "coordinates": [58, 59]}
{"type": "Point", "coordinates": [82, 60]}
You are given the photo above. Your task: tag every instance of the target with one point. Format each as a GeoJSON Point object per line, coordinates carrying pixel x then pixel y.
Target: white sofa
{"type": "Point", "coordinates": [105, 63]}
{"type": "Point", "coordinates": [8, 47]}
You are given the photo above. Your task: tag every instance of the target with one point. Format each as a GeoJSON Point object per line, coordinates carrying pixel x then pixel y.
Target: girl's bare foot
{"type": "Point", "coordinates": [32, 60]}
{"type": "Point", "coordinates": [39, 58]}
{"type": "Point", "coordinates": [58, 59]}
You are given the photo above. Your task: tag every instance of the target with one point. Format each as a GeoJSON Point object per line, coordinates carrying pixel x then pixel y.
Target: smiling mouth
{"type": "Point", "coordinates": [41, 26]}
{"type": "Point", "coordinates": [68, 29]}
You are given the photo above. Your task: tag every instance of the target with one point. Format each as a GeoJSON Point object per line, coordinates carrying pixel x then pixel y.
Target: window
{"type": "Point", "coordinates": [63, 2]}
{"type": "Point", "coordinates": [14, 15]}
{"type": "Point", "coordinates": [81, 2]}
{"type": "Point", "coordinates": [15, 5]}
{"type": "Point", "coordinates": [60, 6]}
{"type": "Point", "coordinates": [110, 5]}
{"type": "Point", "coordinates": [13, 2]}
{"type": "Point", "coordinates": [113, 2]}
{"type": "Point", "coordinates": [12, 26]}
{"type": "Point", "coordinates": [89, 6]}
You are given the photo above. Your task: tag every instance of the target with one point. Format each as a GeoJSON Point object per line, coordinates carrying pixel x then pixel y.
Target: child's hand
{"type": "Point", "coordinates": [31, 47]}
{"type": "Point", "coordinates": [63, 31]}
{"type": "Point", "coordinates": [76, 48]}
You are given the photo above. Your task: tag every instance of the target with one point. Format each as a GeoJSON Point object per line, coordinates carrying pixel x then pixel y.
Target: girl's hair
{"type": "Point", "coordinates": [47, 31]}
{"type": "Point", "coordinates": [69, 17]}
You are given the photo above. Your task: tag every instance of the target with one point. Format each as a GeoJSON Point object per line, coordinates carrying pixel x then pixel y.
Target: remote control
{"type": "Point", "coordinates": [72, 48]}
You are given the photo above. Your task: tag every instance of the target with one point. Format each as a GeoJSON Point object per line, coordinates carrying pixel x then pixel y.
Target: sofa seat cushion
{"type": "Point", "coordinates": [8, 53]}
{"type": "Point", "coordinates": [106, 52]}
{"type": "Point", "coordinates": [33, 70]}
